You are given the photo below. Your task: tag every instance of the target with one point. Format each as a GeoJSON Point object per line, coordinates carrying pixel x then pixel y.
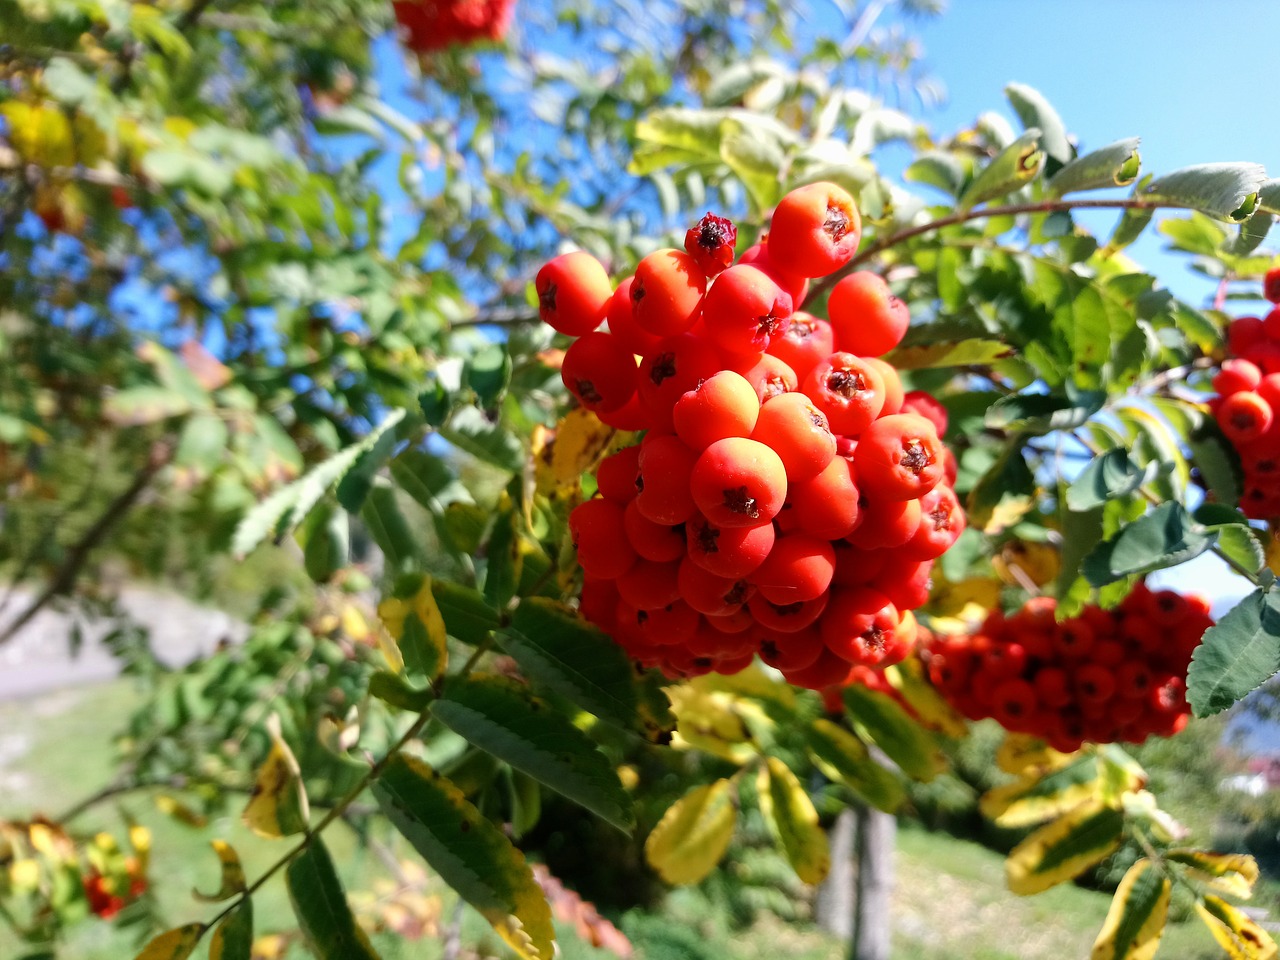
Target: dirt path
{"type": "Point", "coordinates": [39, 658]}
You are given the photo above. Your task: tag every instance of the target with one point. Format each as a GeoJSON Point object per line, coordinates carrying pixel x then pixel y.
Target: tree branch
{"type": "Point", "coordinates": [64, 579]}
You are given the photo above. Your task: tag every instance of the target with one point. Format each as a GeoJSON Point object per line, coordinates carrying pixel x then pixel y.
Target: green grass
{"type": "Point", "coordinates": [950, 901]}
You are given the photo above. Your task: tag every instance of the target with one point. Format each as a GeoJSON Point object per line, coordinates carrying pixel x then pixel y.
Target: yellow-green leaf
{"type": "Point", "coordinates": [278, 804]}
{"type": "Point", "coordinates": [1035, 797]}
{"type": "Point", "coordinates": [413, 619]}
{"type": "Point", "coordinates": [1135, 922]}
{"type": "Point", "coordinates": [909, 680]}
{"type": "Point", "coordinates": [879, 718]}
{"type": "Point", "coordinates": [1231, 873]}
{"type": "Point", "coordinates": [468, 852]}
{"type": "Point", "coordinates": [793, 820]}
{"type": "Point", "coordinates": [176, 944]}
{"type": "Point", "coordinates": [233, 938]}
{"type": "Point", "coordinates": [324, 916]}
{"type": "Point", "coordinates": [1020, 751]}
{"type": "Point", "coordinates": [579, 441]}
{"type": "Point", "coordinates": [1064, 848]}
{"type": "Point", "coordinates": [706, 720]}
{"type": "Point", "coordinates": [844, 758]}
{"type": "Point", "coordinates": [232, 873]}
{"type": "Point", "coordinates": [693, 834]}
{"type": "Point", "coordinates": [1237, 934]}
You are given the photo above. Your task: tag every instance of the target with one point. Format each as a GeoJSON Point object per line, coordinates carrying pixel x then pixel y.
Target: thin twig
{"type": "Point", "coordinates": [78, 555]}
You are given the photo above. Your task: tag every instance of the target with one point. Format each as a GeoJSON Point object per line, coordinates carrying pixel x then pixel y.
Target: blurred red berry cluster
{"type": "Point", "coordinates": [431, 25]}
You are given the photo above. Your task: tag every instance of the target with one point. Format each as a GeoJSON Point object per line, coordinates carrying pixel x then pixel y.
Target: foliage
{"type": "Point", "coordinates": [263, 301]}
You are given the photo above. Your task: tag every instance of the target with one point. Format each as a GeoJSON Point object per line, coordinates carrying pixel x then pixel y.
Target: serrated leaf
{"type": "Point", "coordinates": [1107, 477]}
{"type": "Point", "coordinates": [694, 833]}
{"type": "Point", "coordinates": [233, 938]}
{"type": "Point", "coordinates": [469, 430]}
{"type": "Point", "coordinates": [1225, 191]}
{"type": "Point", "coordinates": [1162, 538]}
{"type": "Point", "coordinates": [793, 821]}
{"type": "Point", "coordinates": [320, 904]}
{"type": "Point", "coordinates": [283, 510]}
{"type": "Point", "coordinates": [1238, 654]}
{"type": "Point", "coordinates": [325, 537]}
{"type": "Point", "coordinates": [1237, 542]}
{"type": "Point", "coordinates": [277, 805]}
{"type": "Point", "coordinates": [232, 874]}
{"type": "Point", "coordinates": [878, 717]}
{"type": "Point", "coordinates": [958, 353]}
{"type": "Point", "coordinates": [500, 716]}
{"type": "Point", "coordinates": [1231, 873]}
{"type": "Point", "coordinates": [467, 615]}
{"type": "Point", "coordinates": [1135, 921]}
{"type": "Point", "coordinates": [1235, 933]}
{"type": "Point", "coordinates": [569, 656]}
{"type": "Point", "coordinates": [389, 528]}
{"type": "Point", "coordinates": [1115, 165]}
{"type": "Point", "coordinates": [1035, 111]}
{"type": "Point", "coordinates": [844, 758]}
{"type": "Point", "coordinates": [503, 556]}
{"type": "Point", "coordinates": [414, 621]}
{"type": "Point", "coordinates": [176, 944]}
{"type": "Point", "coordinates": [1016, 165]}
{"type": "Point", "coordinates": [392, 688]}
{"type": "Point", "coordinates": [1064, 848]}
{"type": "Point", "coordinates": [468, 852]}
{"type": "Point", "coordinates": [1036, 796]}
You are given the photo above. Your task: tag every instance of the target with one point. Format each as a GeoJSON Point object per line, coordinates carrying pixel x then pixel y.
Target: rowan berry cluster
{"type": "Point", "coordinates": [787, 499]}
{"type": "Point", "coordinates": [1104, 676]}
{"type": "Point", "coordinates": [107, 897]}
{"type": "Point", "coordinates": [431, 25]}
{"type": "Point", "coordinates": [1248, 403]}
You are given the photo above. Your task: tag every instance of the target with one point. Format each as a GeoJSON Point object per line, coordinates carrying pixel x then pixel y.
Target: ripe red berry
{"type": "Point", "coordinates": [710, 242]}
{"type": "Point", "coordinates": [710, 594]}
{"type": "Point", "coordinates": [866, 317]}
{"type": "Point", "coordinates": [739, 483]}
{"type": "Point", "coordinates": [792, 651]}
{"type": "Point", "coordinates": [1243, 333]}
{"type": "Point", "coordinates": [899, 458]}
{"type": "Point", "coordinates": [1271, 285]}
{"type": "Point", "coordinates": [859, 625]}
{"type": "Point", "coordinates": [827, 505]}
{"type": "Point", "coordinates": [666, 295]}
{"type": "Point", "coordinates": [848, 390]}
{"type": "Point", "coordinates": [942, 521]}
{"type": "Point", "coordinates": [1244, 416]}
{"type": "Point", "coordinates": [600, 372]}
{"type": "Point", "coordinates": [795, 284]}
{"type": "Point", "coordinates": [768, 375]}
{"type": "Point", "coordinates": [744, 310]}
{"type": "Point", "coordinates": [1235, 376]}
{"type": "Point", "coordinates": [598, 532]}
{"type": "Point", "coordinates": [797, 431]}
{"type": "Point", "coordinates": [573, 290]}
{"type": "Point", "coordinates": [894, 396]}
{"type": "Point", "coordinates": [804, 344]}
{"type": "Point", "coordinates": [723, 405]}
{"type": "Point", "coordinates": [675, 367]}
{"type": "Point", "coordinates": [617, 473]}
{"type": "Point", "coordinates": [662, 482]}
{"type": "Point", "coordinates": [730, 552]}
{"type": "Point", "coordinates": [648, 585]}
{"type": "Point", "coordinates": [789, 617]}
{"type": "Point", "coordinates": [652, 541]}
{"type": "Point", "coordinates": [622, 322]}
{"type": "Point", "coordinates": [798, 568]}
{"type": "Point", "coordinates": [815, 230]}
{"type": "Point", "coordinates": [886, 524]}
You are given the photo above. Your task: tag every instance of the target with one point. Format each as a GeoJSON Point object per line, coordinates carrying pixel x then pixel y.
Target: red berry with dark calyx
{"type": "Point", "coordinates": [815, 230]}
{"type": "Point", "coordinates": [573, 290]}
{"type": "Point", "coordinates": [899, 458]}
{"type": "Point", "coordinates": [745, 310]}
{"type": "Point", "coordinates": [866, 318]}
{"type": "Point", "coordinates": [600, 372]}
{"type": "Point", "coordinates": [848, 390]}
{"type": "Point", "coordinates": [710, 242]}
{"type": "Point", "coordinates": [739, 483]}
{"type": "Point", "coordinates": [804, 344]}
{"type": "Point", "coordinates": [722, 406]}
{"type": "Point", "coordinates": [666, 294]}
{"type": "Point", "coordinates": [676, 366]}
{"type": "Point", "coordinates": [798, 432]}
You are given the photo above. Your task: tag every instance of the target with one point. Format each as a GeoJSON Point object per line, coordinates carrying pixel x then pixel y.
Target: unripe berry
{"type": "Point", "coordinates": [814, 230]}
{"type": "Point", "coordinates": [666, 295]}
{"type": "Point", "coordinates": [600, 372]}
{"type": "Point", "coordinates": [572, 292]}
{"type": "Point", "coordinates": [739, 483]}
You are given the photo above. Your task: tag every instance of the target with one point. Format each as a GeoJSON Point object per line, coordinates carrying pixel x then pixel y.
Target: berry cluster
{"type": "Point", "coordinates": [431, 25]}
{"type": "Point", "coordinates": [105, 896]}
{"type": "Point", "coordinates": [788, 499]}
{"type": "Point", "coordinates": [1104, 676]}
{"type": "Point", "coordinates": [1248, 403]}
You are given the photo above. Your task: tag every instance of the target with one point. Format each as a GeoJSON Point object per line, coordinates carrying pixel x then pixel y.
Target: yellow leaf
{"type": "Point", "coordinates": [421, 642]}
{"type": "Point", "coordinates": [971, 598]}
{"type": "Point", "coordinates": [1231, 873]}
{"type": "Point", "coordinates": [578, 443]}
{"type": "Point", "coordinates": [693, 835]}
{"type": "Point", "coordinates": [41, 134]}
{"type": "Point", "coordinates": [1064, 848]}
{"type": "Point", "coordinates": [1021, 750]}
{"type": "Point", "coordinates": [278, 804]}
{"type": "Point", "coordinates": [1237, 934]}
{"type": "Point", "coordinates": [173, 807]}
{"type": "Point", "coordinates": [706, 720]}
{"type": "Point", "coordinates": [793, 820]}
{"type": "Point", "coordinates": [1020, 563]}
{"type": "Point", "coordinates": [1135, 921]}
{"type": "Point", "coordinates": [909, 679]}
{"type": "Point", "coordinates": [1036, 796]}
{"type": "Point", "coordinates": [176, 944]}
{"type": "Point", "coordinates": [232, 873]}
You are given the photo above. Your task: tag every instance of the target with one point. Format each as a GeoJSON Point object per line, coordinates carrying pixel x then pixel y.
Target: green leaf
{"type": "Point", "coordinates": [756, 159]}
{"type": "Point", "coordinates": [1231, 873]}
{"type": "Point", "coordinates": [1014, 167]}
{"type": "Point", "coordinates": [389, 528]}
{"type": "Point", "coordinates": [961, 353]}
{"type": "Point", "coordinates": [470, 431]}
{"type": "Point", "coordinates": [569, 656]}
{"type": "Point", "coordinates": [394, 689]}
{"type": "Point", "coordinates": [1162, 538]}
{"type": "Point", "coordinates": [793, 821]}
{"type": "Point", "coordinates": [693, 834]}
{"type": "Point", "coordinates": [1130, 225]}
{"type": "Point", "coordinates": [694, 131]}
{"type": "Point", "coordinates": [233, 938]}
{"type": "Point", "coordinates": [487, 372]}
{"type": "Point", "coordinates": [500, 716]}
{"type": "Point", "coordinates": [1225, 191]}
{"type": "Point", "coordinates": [1115, 165]}
{"type": "Point", "coordinates": [1035, 111]}
{"type": "Point", "coordinates": [1238, 542]}
{"type": "Point", "coordinates": [879, 718]}
{"type": "Point", "coordinates": [232, 878]}
{"type": "Point", "coordinates": [1238, 654]}
{"type": "Point", "coordinates": [467, 615]}
{"type": "Point", "coordinates": [203, 443]}
{"type": "Point", "coordinates": [1036, 414]}
{"type": "Point", "coordinates": [320, 904]}
{"type": "Point", "coordinates": [1004, 494]}
{"type": "Point", "coordinates": [1216, 459]}
{"type": "Point", "coordinates": [1107, 477]}
{"type": "Point", "coordinates": [1065, 848]}
{"type": "Point", "coordinates": [1252, 233]}
{"type": "Point", "coordinates": [949, 172]}
{"type": "Point", "coordinates": [1135, 921]}
{"type": "Point", "coordinates": [283, 510]}
{"type": "Point", "coordinates": [468, 852]}
{"type": "Point", "coordinates": [503, 557]}
{"type": "Point", "coordinates": [138, 406]}
{"type": "Point", "coordinates": [325, 537]}
{"type": "Point", "coordinates": [844, 758]}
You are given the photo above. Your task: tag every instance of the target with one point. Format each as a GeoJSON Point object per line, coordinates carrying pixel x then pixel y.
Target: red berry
{"type": "Point", "coordinates": [1271, 285]}
{"type": "Point", "coordinates": [1243, 333]}
{"type": "Point", "coordinates": [790, 617]}
{"type": "Point", "coordinates": [616, 475]}
{"type": "Point", "coordinates": [804, 344]}
{"type": "Point", "coordinates": [666, 295]}
{"type": "Point", "coordinates": [1235, 376]}
{"type": "Point", "coordinates": [859, 626]}
{"type": "Point", "coordinates": [598, 532]}
{"type": "Point", "coordinates": [573, 290]}
{"type": "Point", "coordinates": [798, 568]}
{"type": "Point", "coordinates": [795, 284]}
{"type": "Point", "coordinates": [730, 552]}
{"type": "Point", "coordinates": [815, 230]}
{"type": "Point", "coordinates": [622, 322]}
{"type": "Point", "coordinates": [1244, 416]}
{"type": "Point", "coordinates": [710, 242]}
{"type": "Point", "coordinates": [739, 483]}
{"type": "Point", "coordinates": [893, 393]}
{"type": "Point", "coordinates": [768, 376]}
{"type": "Point", "coordinates": [848, 390]}
{"type": "Point", "coordinates": [662, 483]}
{"type": "Point", "coordinates": [942, 521]}
{"type": "Point", "coordinates": [797, 431]}
{"type": "Point", "coordinates": [652, 541]}
{"type": "Point", "coordinates": [866, 317]}
{"type": "Point", "coordinates": [744, 310]}
{"type": "Point", "coordinates": [887, 524]}
{"type": "Point", "coordinates": [919, 402]}
{"type": "Point", "coordinates": [899, 458]}
{"type": "Point", "coordinates": [723, 405]}
{"type": "Point", "coordinates": [792, 651]}
{"type": "Point", "coordinates": [600, 372]}
{"type": "Point", "coordinates": [675, 367]}
{"type": "Point", "coordinates": [648, 585]}
{"type": "Point", "coordinates": [710, 594]}
{"type": "Point", "coordinates": [827, 505]}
